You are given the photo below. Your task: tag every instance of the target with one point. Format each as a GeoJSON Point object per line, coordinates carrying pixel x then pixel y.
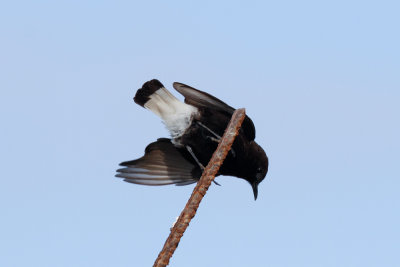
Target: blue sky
{"type": "Point", "coordinates": [320, 79]}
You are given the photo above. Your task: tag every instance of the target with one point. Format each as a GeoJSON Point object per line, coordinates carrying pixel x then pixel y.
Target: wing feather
{"type": "Point", "coordinates": [202, 99]}
{"type": "Point", "coordinates": [162, 164]}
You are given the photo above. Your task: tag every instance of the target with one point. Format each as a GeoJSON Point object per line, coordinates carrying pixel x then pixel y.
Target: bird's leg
{"type": "Point", "coordinates": [217, 138]}
{"type": "Point", "coordinates": [212, 138]}
{"type": "Point", "coordinates": [211, 131]}
{"type": "Point", "coordinates": [189, 149]}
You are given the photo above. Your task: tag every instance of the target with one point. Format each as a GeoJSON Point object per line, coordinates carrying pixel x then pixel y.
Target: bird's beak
{"type": "Point", "coordinates": [255, 190]}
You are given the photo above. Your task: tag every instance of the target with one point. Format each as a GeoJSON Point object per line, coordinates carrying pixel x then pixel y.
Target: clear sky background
{"type": "Point", "coordinates": [320, 79]}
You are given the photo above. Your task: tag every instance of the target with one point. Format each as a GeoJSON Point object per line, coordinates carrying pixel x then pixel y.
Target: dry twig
{"type": "Point", "coordinates": [201, 188]}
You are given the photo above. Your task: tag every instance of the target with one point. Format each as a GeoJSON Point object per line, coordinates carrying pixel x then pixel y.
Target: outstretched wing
{"type": "Point", "coordinates": [202, 99]}
{"type": "Point", "coordinates": [162, 164]}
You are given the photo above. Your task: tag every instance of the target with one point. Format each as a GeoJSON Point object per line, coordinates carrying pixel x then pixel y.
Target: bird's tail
{"type": "Point", "coordinates": [176, 115]}
{"type": "Point", "coordinates": [155, 97]}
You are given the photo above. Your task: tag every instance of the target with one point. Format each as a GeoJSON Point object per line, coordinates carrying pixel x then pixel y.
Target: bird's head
{"type": "Point", "coordinates": [259, 166]}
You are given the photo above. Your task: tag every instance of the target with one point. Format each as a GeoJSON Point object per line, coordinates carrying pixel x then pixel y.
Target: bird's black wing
{"type": "Point", "coordinates": [202, 99]}
{"type": "Point", "coordinates": [162, 164]}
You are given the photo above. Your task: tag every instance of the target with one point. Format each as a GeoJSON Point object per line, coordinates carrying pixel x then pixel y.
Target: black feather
{"type": "Point", "coordinates": [143, 94]}
{"type": "Point", "coordinates": [162, 164]}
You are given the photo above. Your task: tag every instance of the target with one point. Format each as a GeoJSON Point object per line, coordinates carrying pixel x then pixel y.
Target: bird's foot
{"type": "Point", "coordinates": [216, 183]}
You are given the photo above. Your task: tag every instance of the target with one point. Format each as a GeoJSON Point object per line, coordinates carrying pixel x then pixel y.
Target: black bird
{"type": "Point", "coordinates": [196, 126]}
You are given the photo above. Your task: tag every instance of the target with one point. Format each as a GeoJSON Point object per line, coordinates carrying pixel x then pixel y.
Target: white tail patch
{"type": "Point", "coordinates": [176, 115]}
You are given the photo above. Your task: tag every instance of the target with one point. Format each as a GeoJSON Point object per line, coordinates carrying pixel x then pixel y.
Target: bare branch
{"type": "Point", "coordinates": [201, 188]}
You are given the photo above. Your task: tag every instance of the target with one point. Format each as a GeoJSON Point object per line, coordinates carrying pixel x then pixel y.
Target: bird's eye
{"type": "Point", "coordinates": [259, 170]}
